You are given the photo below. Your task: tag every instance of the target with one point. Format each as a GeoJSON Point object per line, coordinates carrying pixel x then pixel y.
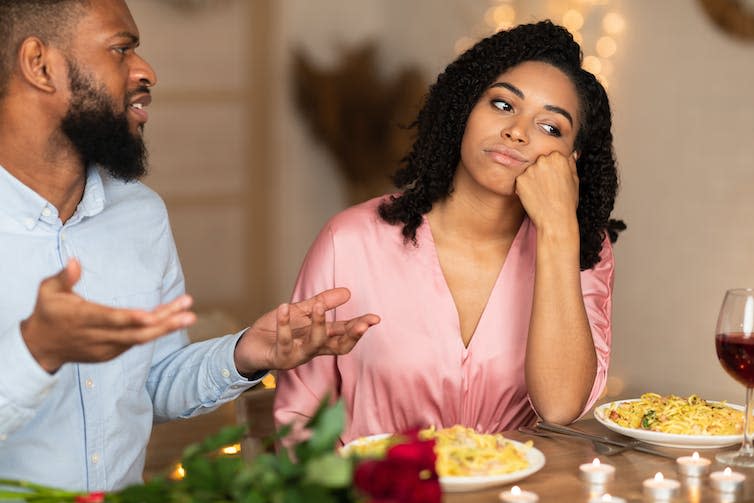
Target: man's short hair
{"type": "Point", "coordinates": [50, 20]}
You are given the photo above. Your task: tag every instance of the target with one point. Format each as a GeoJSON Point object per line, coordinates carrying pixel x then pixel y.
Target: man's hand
{"type": "Point", "coordinates": [66, 328]}
{"type": "Point", "coordinates": [295, 333]}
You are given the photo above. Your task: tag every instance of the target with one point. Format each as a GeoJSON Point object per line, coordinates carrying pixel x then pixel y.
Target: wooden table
{"type": "Point", "coordinates": [559, 481]}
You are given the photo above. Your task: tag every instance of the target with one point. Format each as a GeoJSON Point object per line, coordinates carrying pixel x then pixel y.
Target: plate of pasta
{"type": "Point", "coordinates": [466, 460]}
{"type": "Point", "coordinates": [674, 421]}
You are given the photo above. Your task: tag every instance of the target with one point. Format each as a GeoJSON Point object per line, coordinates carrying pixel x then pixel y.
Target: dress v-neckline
{"type": "Point", "coordinates": [426, 230]}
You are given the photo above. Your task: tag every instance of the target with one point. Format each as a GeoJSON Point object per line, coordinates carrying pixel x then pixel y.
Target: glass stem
{"type": "Point", "coordinates": [746, 447]}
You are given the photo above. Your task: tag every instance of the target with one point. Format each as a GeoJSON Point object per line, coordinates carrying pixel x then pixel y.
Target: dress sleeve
{"type": "Point", "coordinates": [300, 390]}
{"type": "Point", "coordinates": [597, 290]}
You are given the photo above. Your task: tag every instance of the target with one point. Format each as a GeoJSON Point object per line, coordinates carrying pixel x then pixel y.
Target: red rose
{"type": "Point", "coordinates": [98, 497]}
{"type": "Point", "coordinates": [407, 474]}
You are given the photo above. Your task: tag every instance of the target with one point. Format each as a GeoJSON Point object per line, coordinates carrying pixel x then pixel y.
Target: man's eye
{"type": "Point", "coordinates": [551, 130]}
{"type": "Point", "coordinates": [122, 50]}
{"type": "Point", "coordinates": [502, 105]}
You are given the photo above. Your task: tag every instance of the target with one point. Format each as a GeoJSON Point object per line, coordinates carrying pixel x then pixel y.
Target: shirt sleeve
{"type": "Point", "coordinates": [25, 384]}
{"type": "Point", "coordinates": [597, 290]}
{"type": "Point", "coordinates": [301, 390]}
{"type": "Point", "coordinates": [190, 379]}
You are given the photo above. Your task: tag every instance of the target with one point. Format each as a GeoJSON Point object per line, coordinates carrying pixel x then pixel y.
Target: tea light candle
{"type": "Point", "coordinates": [517, 495]}
{"type": "Point", "coordinates": [597, 473]}
{"type": "Point", "coordinates": [606, 498]}
{"type": "Point", "coordinates": [727, 481]}
{"type": "Point", "coordinates": [660, 488]}
{"type": "Point", "coordinates": [693, 466]}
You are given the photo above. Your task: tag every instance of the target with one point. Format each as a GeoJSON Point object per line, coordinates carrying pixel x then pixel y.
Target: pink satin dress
{"type": "Point", "coordinates": [412, 369]}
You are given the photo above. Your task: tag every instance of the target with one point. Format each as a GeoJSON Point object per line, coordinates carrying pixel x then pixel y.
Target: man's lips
{"type": "Point", "coordinates": [505, 156]}
{"type": "Point", "coordinates": [137, 107]}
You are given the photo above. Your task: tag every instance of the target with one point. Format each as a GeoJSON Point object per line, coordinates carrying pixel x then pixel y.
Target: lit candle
{"type": "Point", "coordinates": [693, 466]}
{"type": "Point", "coordinates": [516, 495]}
{"type": "Point", "coordinates": [660, 488]}
{"type": "Point", "coordinates": [727, 481]}
{"type": "Point", "coordinates": [606, 498]}
{"type": "Point", "coordinates": [597, 473]}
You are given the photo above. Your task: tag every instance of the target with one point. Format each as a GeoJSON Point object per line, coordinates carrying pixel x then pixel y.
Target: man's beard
{"type": "Point", "coordinates": [99, 134]}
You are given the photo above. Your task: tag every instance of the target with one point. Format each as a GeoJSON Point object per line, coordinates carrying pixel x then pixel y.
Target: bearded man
{"type": "Point", "coordinates": [93, 313]}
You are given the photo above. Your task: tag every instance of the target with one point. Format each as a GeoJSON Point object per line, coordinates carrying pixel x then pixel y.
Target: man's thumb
{"type": "Point", "coordinates": [68, 276]}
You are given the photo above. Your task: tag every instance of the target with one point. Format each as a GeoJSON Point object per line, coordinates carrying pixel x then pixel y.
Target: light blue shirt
{"type": "Point", "coordinates": [86, 426]}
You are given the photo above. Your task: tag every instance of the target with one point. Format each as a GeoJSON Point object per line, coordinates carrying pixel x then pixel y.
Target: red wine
{"type": "Point", "coordinates": [736, 355]}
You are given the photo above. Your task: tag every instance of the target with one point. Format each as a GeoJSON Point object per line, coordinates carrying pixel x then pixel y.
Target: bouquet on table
{"type": "Point", "coordinates": [313, 471]}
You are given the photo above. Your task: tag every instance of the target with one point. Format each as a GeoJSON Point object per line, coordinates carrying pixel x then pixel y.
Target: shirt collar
{"type": "Point", "coordinates": [27, 207]}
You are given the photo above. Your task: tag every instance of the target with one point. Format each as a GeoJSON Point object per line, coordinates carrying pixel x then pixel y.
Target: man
{"type": "Point", "coordinates": [92, 307]}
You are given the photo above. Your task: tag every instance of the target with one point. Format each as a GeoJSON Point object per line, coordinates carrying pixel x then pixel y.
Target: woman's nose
{"type": "Point", "coordinates": [515, 132]}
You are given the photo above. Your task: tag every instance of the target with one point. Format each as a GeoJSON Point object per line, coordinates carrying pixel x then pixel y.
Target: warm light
{"type": "Point", "coordinates": [178, 473]}
{"type": "Point", "coordinates": [231, 449]}
{"type": "Point", "coordinates": [592, 64]}
{"type": "Point", "coordinates": [659, 477]}
{"type": "Point", "coordinates": [504, 15]}
{"type": "Point", "coordinates": [573, 20]}
{"type": "Point", "coordinates": [596, 462]}
{"type": "Point", "coordinates": [606, 47]}
{"type": "Point", "coordinates": [695, 456]}
{"type": "Point", "coordinates": [516, 491]}
{"type": "Point", "coordinates": [463, 44]}
{"type": "Point", "coordinates": [268, 381]}
{"type": "Point", "coordinates": [613, 23]}
{"type": "Point", "coordinates": [727, 471]}
{"type": "Point", "coordinates": [578, 37]}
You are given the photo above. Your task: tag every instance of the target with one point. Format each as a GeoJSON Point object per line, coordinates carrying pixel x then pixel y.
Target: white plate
{"type": "Point", "coordinates": [667, 439]}
{"type": "Point", "coordinates": [461, 484]}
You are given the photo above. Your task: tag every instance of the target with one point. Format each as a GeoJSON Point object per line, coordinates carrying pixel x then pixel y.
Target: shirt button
{"type": "Point", "coordinates": [89, 384]}
{"type": "Point", "coordinates": [29, 222]}
{"type": "Point", "coordinates": [46, 212]}
{"type": "Point", "coordinates": [225, 373]}
{"type": "Point", "coordinates": [95, 458]}
{"type": "Point", "coordinates": [62, 236]}
{"type": "Point", "coordinates": [3, 436]}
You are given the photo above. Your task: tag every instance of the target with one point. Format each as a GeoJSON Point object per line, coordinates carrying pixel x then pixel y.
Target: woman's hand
{"type": "Point", "coordinates": [549, 191]}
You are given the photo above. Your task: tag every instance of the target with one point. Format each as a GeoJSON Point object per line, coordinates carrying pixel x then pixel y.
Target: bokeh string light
{"type": "Point", "coordinates": [593, 23]}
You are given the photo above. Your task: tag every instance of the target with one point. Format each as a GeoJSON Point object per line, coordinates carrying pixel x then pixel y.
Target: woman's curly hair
{"type": "Point", "coordinates": [428, 170]}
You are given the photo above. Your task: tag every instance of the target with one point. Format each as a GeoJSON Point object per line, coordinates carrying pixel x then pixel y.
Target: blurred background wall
{"type": "Point", "coordinates": [248, 186]}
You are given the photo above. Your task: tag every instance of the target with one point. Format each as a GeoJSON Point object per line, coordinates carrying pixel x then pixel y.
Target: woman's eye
{"type": "Point", "coordinates": [502, 105]}
{"type": "Point", "coordinates": [551, 130]}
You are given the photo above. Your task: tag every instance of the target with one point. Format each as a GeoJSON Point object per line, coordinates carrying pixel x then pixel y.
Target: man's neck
{"type": "Point", "coordinates": [52, 171]}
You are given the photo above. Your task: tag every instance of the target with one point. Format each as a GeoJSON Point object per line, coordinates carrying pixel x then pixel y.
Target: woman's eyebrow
{"type": "Point", "coordinates": [518, 92]}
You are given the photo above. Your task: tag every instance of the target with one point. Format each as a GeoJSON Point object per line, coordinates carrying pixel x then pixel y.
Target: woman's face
{"type": "Point", "coordinates": [530, 110]}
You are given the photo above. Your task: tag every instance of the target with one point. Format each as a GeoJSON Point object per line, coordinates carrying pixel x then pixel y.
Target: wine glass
{"type": "Point", "coordinates": [734, 340]}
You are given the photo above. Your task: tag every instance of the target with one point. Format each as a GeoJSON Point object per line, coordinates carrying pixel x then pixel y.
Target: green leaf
{"type": "Point", "coordinates": [327, 428]}
{"type": "Point", "coordinates": [330, 470]}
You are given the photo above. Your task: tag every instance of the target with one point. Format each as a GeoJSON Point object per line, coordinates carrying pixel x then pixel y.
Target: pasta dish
{"type": "Point", "coordinates": [461, 451]}
{"type": "Point", "coordinates": [678, 415]}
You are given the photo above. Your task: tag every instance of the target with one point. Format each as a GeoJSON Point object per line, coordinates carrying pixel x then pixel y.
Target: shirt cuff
{"type": "Point", "coordinates": [225, 374]}
{"type": "Point", "coordinates": [25, 383]}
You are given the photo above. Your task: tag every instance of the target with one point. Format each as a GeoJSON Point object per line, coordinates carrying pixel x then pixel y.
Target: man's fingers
{"type": "Point", "coordinates": [329, 298]}
{"type": "Point", "coordinates": [178, 305]}
{"type": "Point", "coordinates": [284, 335]}
{"type": "Point", "coordinates": [318, 333]}
{"type": "Point", "coordinates": [64, 280]}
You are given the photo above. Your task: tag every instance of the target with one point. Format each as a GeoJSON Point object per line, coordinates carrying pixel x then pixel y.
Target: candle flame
{"type": "Point", "coordinates": [596, 462]}
{"type": "Point", "coordinates": [178, 473]}
{"type": "Point", "coordinates": [659, 477]}
{"type": "Point", "coordinates": [695, 456]}
{"type": "Point", "coordinates": [516, 491]}
{"type": "Point", "coordinates": [231, 449]}
{"type": "Point", "coordinates": [607, 497]}
{"type": "Point", "coordinates": [727, 471]}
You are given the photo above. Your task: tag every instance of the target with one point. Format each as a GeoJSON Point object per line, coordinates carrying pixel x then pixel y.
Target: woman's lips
{"type": "Point", "coordinates": [505, 156]}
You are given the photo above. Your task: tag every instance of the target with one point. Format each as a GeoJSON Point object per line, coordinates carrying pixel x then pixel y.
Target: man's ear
{"type": "Point", "coordinates": [39, 65]}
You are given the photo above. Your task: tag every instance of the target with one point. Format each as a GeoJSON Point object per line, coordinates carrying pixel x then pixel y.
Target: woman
{"type": "Point", "coordinates": [491, 269]}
